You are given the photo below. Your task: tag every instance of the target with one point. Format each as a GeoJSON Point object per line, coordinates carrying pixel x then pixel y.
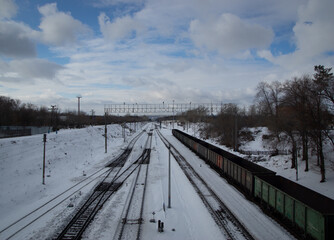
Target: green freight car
{"type": "Point", "coordinates": [305, 209]}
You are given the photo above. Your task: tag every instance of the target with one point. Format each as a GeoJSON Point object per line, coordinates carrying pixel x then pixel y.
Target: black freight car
{"type": "Point", "coordinates": [304, 209]}
{"type": "Point", "coordinates": [236, 169]}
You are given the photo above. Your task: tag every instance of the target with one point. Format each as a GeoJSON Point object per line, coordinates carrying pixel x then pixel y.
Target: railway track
{"type": "Point", "coordinates": [120, 160]}
{"type": "Point", "coordinates": [103, 191]}
{"type": "Point", "coordinates": [132, 216]}
{"type": "Point", "coordinates": [30, 218]}
{"type": "Point", "coordinates": [225, 219]}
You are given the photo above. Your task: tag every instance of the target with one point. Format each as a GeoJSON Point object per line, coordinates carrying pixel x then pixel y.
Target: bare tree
{"type": "Point", "coordinates": [297, 94]}
{"type": "Point", "coordinates": [195, 115]}
{"type": "Point", "coordinates": [225, 125]}
{"type": "Point", "coordinates": [324, 80]}
{"type": "Point", "coordinates": [320, 116]}
{"type": "Point", "coordinates": [268, 98]}
{"type": "Point", "coordinates": [287, 124]}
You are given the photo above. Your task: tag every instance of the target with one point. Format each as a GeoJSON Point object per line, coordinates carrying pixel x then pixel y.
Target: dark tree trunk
{"type": "Point", "coordinates": [305, 150]}
{"type": "Point", "coordinates": [294, 153]}
{"type": "Point", "coordinates": [322, 159]}
{"type": "Point", "coordinates": [318, 155]}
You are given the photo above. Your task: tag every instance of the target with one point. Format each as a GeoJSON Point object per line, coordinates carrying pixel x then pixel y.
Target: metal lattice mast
{"type": "Point", "coordinates": [172, 108]}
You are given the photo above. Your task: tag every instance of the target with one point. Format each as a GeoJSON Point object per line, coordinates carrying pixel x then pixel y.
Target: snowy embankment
{"type": "Point", "coordinates": [73, 153]}
{"type": "Point", "coordinates": [70, 154]}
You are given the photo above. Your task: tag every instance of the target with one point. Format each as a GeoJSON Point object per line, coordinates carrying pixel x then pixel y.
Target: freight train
{"type": "Point", "coordinates": [309, 213]}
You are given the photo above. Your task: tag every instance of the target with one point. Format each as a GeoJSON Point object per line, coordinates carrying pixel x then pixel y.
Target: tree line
{"type": "Point", "coordinates": [15, 113]}
{"type": "Point", "coordinates": [302, 109]}
{"type": "Point", "coordinates": [299, 111]}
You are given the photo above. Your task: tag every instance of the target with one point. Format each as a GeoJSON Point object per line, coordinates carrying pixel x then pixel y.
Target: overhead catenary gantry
{"type": "Point", "coordinates": [172, 108]}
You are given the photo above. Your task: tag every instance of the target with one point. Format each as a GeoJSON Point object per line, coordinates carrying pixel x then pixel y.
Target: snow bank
{"type": "Point", "coordinates": [69, 155]}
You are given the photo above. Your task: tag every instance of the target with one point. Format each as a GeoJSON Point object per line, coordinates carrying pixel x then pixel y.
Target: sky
{"type": "Point", "coordinates": [154, 51]}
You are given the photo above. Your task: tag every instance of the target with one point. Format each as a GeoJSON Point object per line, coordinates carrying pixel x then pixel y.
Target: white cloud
{"type": "Point", "coordinates": [229, 35]}
{"type": "Point", "coordinates": [158, 62]}
{"type": "Point", "coordinates": [16, 40]}
{"type": "Point", "coordinates": [146, 73]}
{"type": "Point", "coordinates": [170, 17]}
{"type": "Point", "coordinates": [8, 9]}
{"type": "Point", "coordinates": [59, 28]}
{"type": "Point", "coordinates": [120, 28]}
{"type": "Point", "coordinates": [314, 28]}
{"type": "Point", "coordinates": [313, 36]}
{"type": "Point", "coordinates": [105, 3]}
{"type": "Point", "coordinates": [28, 70]}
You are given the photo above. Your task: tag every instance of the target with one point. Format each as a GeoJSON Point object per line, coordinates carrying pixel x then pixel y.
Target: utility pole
{"type": "Point", "coordinates": [211, 113]}
{"type": "Point", "coordinates": [79, 96]}
{"type": "Point", "coordinates": [236, 132]}
{"type": "Point", "coordinates": [169, 176]}
{"type": "Point", "coordinates": [123, 130]}
{"type": "Point", "coordinates": [105, 131]}
{"type": "Point", "coordinates": [53, 109]}
{"type": "Point", "coordinates": [44, 140]}
{"type": "Point", "coordinates": [79, 104]}
{"type": "Point", "coordinates": [173, 113]}
{"type": "Point", "coordinates": [93, 116]}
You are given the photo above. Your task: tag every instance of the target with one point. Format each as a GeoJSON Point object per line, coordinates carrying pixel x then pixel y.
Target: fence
{"type": "Point", "coordinates": [270, 152]}
{"type": "Point", "coordinates": [17, 131]}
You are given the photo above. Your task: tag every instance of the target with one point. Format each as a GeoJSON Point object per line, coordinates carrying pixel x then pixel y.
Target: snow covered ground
{"type": "Point", "coordinates": [73, 155]}
{"type": "Point", "coordinates": [282, 165]}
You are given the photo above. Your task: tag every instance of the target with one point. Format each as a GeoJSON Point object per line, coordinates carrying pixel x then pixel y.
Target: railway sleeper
{"type": "Point", "coordinates": [120, 161]}
{"type": "Point", "coordinates": [107, 186]}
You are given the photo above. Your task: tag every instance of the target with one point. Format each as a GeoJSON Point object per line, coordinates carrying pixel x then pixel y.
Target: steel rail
{"type": "Point", "coordinates": [94, 203]}
{"type": "Point", "coordinates": [222, 215]}
{"type": "Point", "coordinates": [128, 150]}
{"type": "Point", "coordinates": [143, 160]}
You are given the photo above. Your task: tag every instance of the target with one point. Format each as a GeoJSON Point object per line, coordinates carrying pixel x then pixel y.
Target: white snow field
{"type": "Point", "coordinates": [74, 155]}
